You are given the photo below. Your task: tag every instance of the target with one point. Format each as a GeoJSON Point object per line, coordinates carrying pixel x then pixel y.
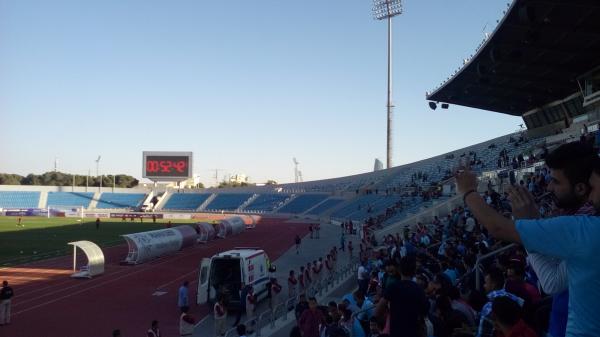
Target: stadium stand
{"type": "Point", "coordinates": [120, 200]}
{"type": "Point", "coordinates": [185, 201]}
{"type": "Point", "coordinates": [325, 206]}
{"type": "Point", "coordinates": [82, 199]}
{"type": "Point", "coordinates": [302, 203]}
{"type": "Point", "coordinates": [265, 203]}
{"type": "Point", "coordinates": [227, 202]}
{"type": "Point", "coordinates": [356, 205]}
{"type": "Point", "coordinates": [19, 199]}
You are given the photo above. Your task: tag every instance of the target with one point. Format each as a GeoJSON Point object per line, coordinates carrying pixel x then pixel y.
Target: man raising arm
{"type": "Point", "coordinates": [575, 239]}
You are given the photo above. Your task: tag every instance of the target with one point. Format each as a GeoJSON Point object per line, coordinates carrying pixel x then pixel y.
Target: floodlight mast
{"type": "Point", "coordinates": [387, 9]}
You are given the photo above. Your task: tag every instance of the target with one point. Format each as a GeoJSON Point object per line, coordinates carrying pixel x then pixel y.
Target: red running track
{"type": "Point", "coordinates": [49, 303]}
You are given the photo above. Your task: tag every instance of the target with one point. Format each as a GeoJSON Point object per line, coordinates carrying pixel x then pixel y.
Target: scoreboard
{"type": "Point", "coordinates": [167, 166]}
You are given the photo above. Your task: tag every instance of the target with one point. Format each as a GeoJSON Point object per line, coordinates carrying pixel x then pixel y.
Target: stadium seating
{"type": "Point", "coordinates": [227, 202]}
{"type": "Point", "coordinates": [19, 199]}
{"type": "Point", "coordinates": [120, 200]}
{"type": "Point", "coordinates": [266, 202]}
{"type": "Point", "coordinates": [376, 207]}
{"type": "Point", "coordinates": [356, 205]}
{"type": "Point", "coordinates": [435, 168]}
{"type": "Point", "coordinates": [302, 203]}
{"type": "Point", "coordinates": [82, 199]}
{"type": "Point", "coordinates": [325, 205]}
{"type": "Point", "coordinates": [412, 206]}
{"type": "Point", "coordinates": [185, 201]}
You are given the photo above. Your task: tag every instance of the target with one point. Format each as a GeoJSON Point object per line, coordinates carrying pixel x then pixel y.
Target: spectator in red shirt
{"type": "Point", "coordinates": [507, 319]}
{"type": "Point", "coordinates": [516, 277]}
{"type": "Point", "coordinates": [220, 312]}
{"type": "Point", "coordinates": [311, 319]}
{"type": "Point", "coordinates": [275, 291]}
{"type": "Point", "coordinates": [302, 280]}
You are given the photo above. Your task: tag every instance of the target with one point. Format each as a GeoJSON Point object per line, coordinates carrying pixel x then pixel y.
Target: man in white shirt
{"type": "Point", "coordinates": [220, 312]}
{"type": "Point", "coordinates": [154, 331]}
{"type": "Point", "coordinates": [470, 224]}
{"type": "Point", "coordinates": [186, 324]}
{"type": "Point", "coordinates": [363, 278]}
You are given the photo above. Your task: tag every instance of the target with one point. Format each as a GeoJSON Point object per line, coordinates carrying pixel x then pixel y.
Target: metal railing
{"type": "Point", "coordinates": [355, 315]}
{"type": "Point", "coordinates": [282, 310]}
{"type": "Point", "coordinates": [485, 257]}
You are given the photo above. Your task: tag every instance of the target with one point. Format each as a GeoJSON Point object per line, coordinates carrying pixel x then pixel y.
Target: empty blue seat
{"type": "Point", "coordinates": [120, 200]}
{"type": "Point", "coordinates": [325, 205]}
{"type": "Point", "coordinates": [19, 199]}
{"type": "Point", "coordinates": [266, 202]}
{"type": "Point", "coordinates": [227, 202]}
{"type": "Point", "coordinates": [185, 201]}
{"type": "Point", "coordinates": [82, 199]}
{"type": "Point", "coordinates": [302, 203]}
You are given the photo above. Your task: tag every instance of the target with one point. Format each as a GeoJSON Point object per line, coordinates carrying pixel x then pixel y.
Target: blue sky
{"type": "Point", "coordinates": [245, 85]}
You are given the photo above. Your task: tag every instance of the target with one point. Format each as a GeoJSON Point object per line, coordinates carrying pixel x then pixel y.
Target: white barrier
{"type": "Point", "coordinates": [230, 226]}
{"type": "Point", "coordinates": [149, 245]}
{"type": "Point", "coordinates": [177, 216]}
{"type": "Point", "coordinates": [94, 256]}
{"type": "Point", "coordinates": [206, 231]}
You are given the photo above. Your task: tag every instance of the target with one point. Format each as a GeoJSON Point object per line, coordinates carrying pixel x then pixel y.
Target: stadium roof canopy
{"type": "Point", "coordinates": [534, 57]}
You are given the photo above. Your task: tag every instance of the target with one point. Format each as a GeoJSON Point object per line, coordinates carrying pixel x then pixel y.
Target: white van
{"type": "Point", "coordinates": [225, 272]}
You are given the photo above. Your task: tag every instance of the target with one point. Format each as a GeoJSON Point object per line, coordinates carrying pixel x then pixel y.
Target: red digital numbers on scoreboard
{"type": "Point", "coordinates": [167, 166]}
{"type": "Point", "coordinates": [151, 166]}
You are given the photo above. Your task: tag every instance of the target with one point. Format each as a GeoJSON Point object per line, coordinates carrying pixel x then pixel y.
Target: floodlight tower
{"type": "Point", "coordinates": [296, 172]}
{"type": "Point", "coordinates": [98, 172]}
{"type": "Point", "coordinates": [387, 9]}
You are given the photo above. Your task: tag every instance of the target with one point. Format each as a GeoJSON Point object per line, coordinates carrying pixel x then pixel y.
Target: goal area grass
{"type": "Point", "coordinates": [40, 238]}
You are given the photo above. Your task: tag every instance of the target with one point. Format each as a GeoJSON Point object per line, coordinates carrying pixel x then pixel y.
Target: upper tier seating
{"type": "Point", "coordinates": [325, 206]}
{"type": "Point", "coordinates": [266, 202]}
{"type": "Point", "coordinates": [227, 202]}
{"type": "Point", "coordinates": [19, 199]}
{"type": "Point", "coordinates": [120, 200]}
{"type": "Point", "coordinates": [185, 201]}
{"type": "Point", "coordinates": [82, 199]}
{"type": "Point", "coordinates": [302, 203]}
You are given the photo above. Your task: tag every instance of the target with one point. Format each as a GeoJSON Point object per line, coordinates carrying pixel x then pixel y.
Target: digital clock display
{"type": "Point", "coordinates": [169, 165]}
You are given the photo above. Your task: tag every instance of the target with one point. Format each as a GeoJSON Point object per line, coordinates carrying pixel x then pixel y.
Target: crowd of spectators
{"type": "Point", "coordinates": [426, 281]}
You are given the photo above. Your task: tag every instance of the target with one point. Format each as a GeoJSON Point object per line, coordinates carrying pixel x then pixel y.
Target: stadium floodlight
{"type": "Point", "coordinates": [383, 9]}
{"type": "Point", "coordinates": [387, 9]}
{"type": "Point", "coordinates": [98, 173]}
{"type": "Point", "coordinates": [296, 171]}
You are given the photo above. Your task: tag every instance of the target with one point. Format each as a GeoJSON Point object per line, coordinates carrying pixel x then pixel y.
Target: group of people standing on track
{"type": "Point", "coordinates": [313, 275]}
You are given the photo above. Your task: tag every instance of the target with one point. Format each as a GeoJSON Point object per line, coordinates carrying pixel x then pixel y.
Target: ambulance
{"type": "Point", "coordinates": [225, 273]}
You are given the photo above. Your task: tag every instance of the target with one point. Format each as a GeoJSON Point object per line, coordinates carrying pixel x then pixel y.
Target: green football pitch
{"type": "Point", "coordinates": [40, 238]}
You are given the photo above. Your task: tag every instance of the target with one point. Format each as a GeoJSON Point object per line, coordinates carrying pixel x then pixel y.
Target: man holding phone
{"type": "Point", "coordinates": [572, 239]}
